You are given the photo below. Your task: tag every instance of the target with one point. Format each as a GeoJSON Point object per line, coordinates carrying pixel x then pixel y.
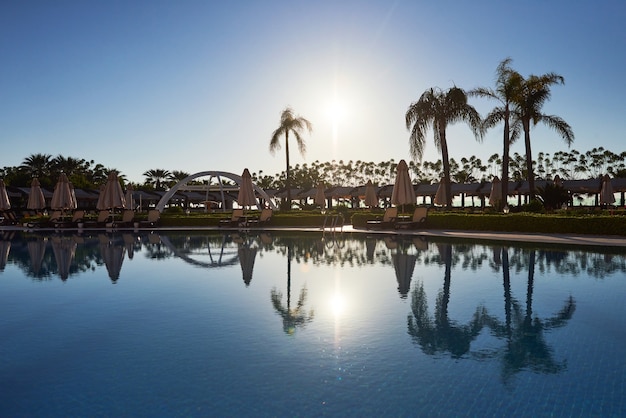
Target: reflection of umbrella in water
{"type": "Point", "coordinates": [320, 198]}
{"type": "Point", "coordinates": [36, 199]}
{"type": "Point", "coordinates": [64, 250]}
{"type": "Point", "coordinates": [606, 192]}
{"type": "Point", "coordinates": [495, 197]}
{"type": "Point", "coordinates": [403, 192]}
{"type": "Point", "coordinates": [404, 265]}
{"type": "Point", "coordinates": [5, 247]}
{"type": "Point", "coordinates": [371, 200]}
{"type": "Point", "coordinates": [36, 251]}
{"type": "Point", "coordinates": [246, 197]}
{"type": "Point", "coordinates": [370, 248]}
{"type": "Point", "coordinates": [113, 256]}
{"type": "Point", "coordinates": [5, 204]}
{"type": "Point", "coordinates": [129, 243]}
{"type": "Point", "coordinates": [246, 256]}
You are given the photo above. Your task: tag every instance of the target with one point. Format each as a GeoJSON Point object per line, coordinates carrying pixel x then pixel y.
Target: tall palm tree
{"type": "Point", "coordinates": [439, 109]}
{"type": "Point", "coordinates": [294, 124]}
{"type": "Point", "coordinates": [533, 93]}
{"type": "Point", "coordinates": [508, 84]}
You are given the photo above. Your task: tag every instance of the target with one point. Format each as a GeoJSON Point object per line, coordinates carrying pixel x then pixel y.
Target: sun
{"type": "Point", "coordinates": [335, 111]}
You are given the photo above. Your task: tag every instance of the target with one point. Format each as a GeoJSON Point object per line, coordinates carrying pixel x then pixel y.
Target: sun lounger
{"type": "Point", "coordinates": [153, 219]}
{"type": "Point", "coordinates": [100, 222]}
{"type": "Point", "coordinates": [77, 217]}
{"type": "Point", "coordinates": [235, 219]}
{"type": "Point", "coordinates": [128, 216]}
{"type": "Point", "coordinates": [264, 218]}
{"type": "Point", "coordinates": [419, 217]}
{"type": "Point", "coordinates": [388, 220]}
{"type": "Point", "coordinates": [55, 217]}
{"type": "Point", "coordinates": [8, 217]}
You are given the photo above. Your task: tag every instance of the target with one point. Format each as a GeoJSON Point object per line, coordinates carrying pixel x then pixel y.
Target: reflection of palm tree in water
{"type": "Point", "coordinates": [292, 317]}
{"type": "Point", "coordinates": [526, 347]}
{"type": "Point", "coordinates": [441, 335]}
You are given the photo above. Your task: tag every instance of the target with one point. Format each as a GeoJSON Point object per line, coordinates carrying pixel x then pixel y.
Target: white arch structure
{"type": "Point", "coordinates": [219, 174]}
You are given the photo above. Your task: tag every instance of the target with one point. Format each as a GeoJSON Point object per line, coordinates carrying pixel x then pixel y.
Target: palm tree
{"type": "Point", "coordinates": [508, 84]}
{"type": "Point", "coordinates": [293, 124]}
{"type": "Point", "coordinates": [533, 93]}
{"type": "Point", "coordinates": [439, 109]}
{"type": "Point", "coordinates": [37, 165]}
{"type": "Point", "coordinates": [157, 177]}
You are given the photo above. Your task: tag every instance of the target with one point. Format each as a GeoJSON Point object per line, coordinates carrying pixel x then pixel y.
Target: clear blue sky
{"type": "Point", "coordinates": [200, 85]}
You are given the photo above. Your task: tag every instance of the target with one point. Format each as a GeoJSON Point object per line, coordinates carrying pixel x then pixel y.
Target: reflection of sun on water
{"type": "Point", "coordinates": [337, 304]}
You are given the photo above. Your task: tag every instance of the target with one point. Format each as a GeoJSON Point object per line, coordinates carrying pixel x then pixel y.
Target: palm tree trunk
{"type": "Point", "coordinates": [288, 180]}
{"type": "Point", "coordinates": [529, 160]}
{"type": "Point", "coordinates": [446, 167]}
{"type": "Point", "coordinates": [505, 158]}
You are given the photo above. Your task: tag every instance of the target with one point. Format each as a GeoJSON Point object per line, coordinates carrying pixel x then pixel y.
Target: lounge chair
{"type": "Point", "coordinates": [77, 217]}
{"type": "Point", "coordinates": [55, 217]}
{"type": "Point", "coordinates": [235, 219]}
{"type": "Point", "coordinates": [128, 216]}
{"type": "Point", "coordinates": [419, 217]}
{"type": "Point", "coordinates": [153, 219]}
{"type": "Point", "coordinates": [100, 222]}
{"type": "Point", "coordinates": [264, 218]}
{"type": "Point", "coordinates": [388, 220]}
{"type": "Point", "coordinates": [8, 217]}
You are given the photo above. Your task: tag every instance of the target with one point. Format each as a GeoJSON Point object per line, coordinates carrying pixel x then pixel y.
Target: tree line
{"type": "Point", "coordinates": [569, 165]}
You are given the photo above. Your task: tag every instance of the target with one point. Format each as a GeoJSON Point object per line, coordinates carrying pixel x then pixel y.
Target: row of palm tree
{"type": "Point", "coordinates": [569, 165]}
{"type": "Point", "coordinates": [520, 106]}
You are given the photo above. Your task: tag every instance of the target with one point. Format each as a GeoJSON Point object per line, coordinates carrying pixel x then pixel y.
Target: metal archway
{"type": "Point", "coordinates": [219, 174]}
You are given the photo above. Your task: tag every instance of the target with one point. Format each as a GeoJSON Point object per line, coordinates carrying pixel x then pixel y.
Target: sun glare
{"type": "Point", "coordinates": [335, 112]}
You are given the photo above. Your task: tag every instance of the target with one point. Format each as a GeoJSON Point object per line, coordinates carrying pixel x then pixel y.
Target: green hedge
{"type": "Point", "coordinates": [598, 224]}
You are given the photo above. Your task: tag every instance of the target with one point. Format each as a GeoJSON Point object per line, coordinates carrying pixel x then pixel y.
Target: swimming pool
{"type": "Point", "coordinates": [307, 324]}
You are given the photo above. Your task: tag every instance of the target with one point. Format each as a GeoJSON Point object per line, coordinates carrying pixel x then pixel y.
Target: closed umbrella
{"type": "Point", "coordinates": [495, 197]}
{"type": "Point", "coordinates": [607, 196]}
{"type": "Point", "coordinates": [440, 196]}
{"type": "Point", "coordinates": [62, 195]}
{"type": "Point", "coordinates": [36, 199]}
{"type": "Point", "coordinates": [5, 204]}
{"type": "Point", "coordinates": [130, 201]}
{"type": "Point", "coordinates": [100, 202]}
{"type": "Point", "coordinates": [557, 181]}
{"type": "Point", "coordinates": [371, 200]}
{"type": "Point", "coordinates": [113, 195]}
{"type": "Point", "coordinates": [73, 202]}
{"type": "Point", "coordinates": [320, 197]}
{"type": "Point", "coordinates": [403, 192]}
{"type": "Point", "coordinates": [246, 196]}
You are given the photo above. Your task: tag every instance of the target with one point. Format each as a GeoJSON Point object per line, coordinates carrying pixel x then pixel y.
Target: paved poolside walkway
{"type": "Point", "coordinates": [560, 239]}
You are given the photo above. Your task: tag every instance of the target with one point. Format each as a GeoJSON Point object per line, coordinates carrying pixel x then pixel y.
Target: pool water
{"type": "Point", "coordinates": [308, 324]}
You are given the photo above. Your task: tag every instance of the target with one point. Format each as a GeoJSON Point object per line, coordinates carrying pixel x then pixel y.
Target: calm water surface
{"type": "Point", "coordinates": [204, 324]}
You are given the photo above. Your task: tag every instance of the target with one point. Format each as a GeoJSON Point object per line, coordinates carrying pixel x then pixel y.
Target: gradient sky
{"type": "Point", "coordinates": [200, 85]}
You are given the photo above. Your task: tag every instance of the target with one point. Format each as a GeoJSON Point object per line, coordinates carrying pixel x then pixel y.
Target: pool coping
{"type": "Point", "coordinates": [559, 239]}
